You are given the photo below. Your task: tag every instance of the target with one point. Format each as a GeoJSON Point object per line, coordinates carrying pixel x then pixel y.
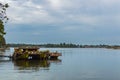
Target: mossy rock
{"type": "Point", "coordinates": [22, 56]}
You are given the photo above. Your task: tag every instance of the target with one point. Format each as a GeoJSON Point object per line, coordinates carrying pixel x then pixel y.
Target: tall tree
{"type": "Point", "coordinates": [3, 19]}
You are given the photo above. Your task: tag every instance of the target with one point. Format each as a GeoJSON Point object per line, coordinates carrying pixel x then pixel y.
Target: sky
{"type": "Point", "coordinates": [57, 21]}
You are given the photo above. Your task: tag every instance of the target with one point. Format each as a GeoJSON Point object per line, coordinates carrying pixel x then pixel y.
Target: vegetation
{"type": "Point", "coordinates": [3, 19]}
{"type": "Point", "coordinates": [66, 45]}
{"type": "Point", "coordinates": [62, 45]}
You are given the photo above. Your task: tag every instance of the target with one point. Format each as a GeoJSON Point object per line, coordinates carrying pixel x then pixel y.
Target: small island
{"type": "Point", "coordinates": [33, 53]}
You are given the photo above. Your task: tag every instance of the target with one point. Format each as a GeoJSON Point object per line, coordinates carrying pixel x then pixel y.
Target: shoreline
{"type": "Point", "coordinates": [64, 45]}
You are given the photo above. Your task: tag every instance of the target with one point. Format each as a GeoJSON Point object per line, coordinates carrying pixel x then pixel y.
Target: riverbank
{"type": "Point", "coordinates": [66, 45]}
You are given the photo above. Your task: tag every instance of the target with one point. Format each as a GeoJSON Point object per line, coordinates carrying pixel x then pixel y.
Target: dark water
{"type": "Point", "coordinates": [75, 64]}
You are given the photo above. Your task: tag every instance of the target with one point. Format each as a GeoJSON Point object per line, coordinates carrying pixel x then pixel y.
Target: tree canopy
{"type": "Point", "coordinates": [3, 19]}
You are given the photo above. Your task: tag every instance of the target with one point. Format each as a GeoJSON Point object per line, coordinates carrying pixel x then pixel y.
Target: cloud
{"type": "Point", "coordinates": [64, 18]}
{"type": "Point", "coordinates": [27, 12]}
{"type": "Point", "coordinates": [60, 11]}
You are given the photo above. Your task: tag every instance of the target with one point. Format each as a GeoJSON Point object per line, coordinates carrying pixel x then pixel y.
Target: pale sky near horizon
{"type": "Point", "coordinates": [70, 21]}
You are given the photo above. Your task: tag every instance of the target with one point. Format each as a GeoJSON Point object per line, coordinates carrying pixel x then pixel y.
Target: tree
{"type": "Point", "coordinates": [3, 19]}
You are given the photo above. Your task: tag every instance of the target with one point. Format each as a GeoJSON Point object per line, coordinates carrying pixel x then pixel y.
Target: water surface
{"type": "Point", "coordinates": [74, 64]}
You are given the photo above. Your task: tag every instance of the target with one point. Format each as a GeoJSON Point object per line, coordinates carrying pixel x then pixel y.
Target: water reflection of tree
{"type": "Point", "coordinates": [35, 65]}
{"type": "Point", "coordinates": [2, 53]}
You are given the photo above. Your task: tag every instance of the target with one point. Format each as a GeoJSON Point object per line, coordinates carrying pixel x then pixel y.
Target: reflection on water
{"type": "Point", "coordinates": [2, 52]}
{"type": "Point", "coordinates": [35, 65]}
{"type": "Point", "coordinates": [31, 65]}
{"type": "Point", "coordinates": [77, 64]}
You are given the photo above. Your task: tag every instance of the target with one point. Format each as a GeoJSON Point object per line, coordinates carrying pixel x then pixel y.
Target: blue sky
{"type": "Point", "coordinates": [70, 21]}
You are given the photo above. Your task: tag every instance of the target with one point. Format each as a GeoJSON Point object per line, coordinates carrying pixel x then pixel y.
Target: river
{"type": "Point", "coordinates": [74, 64]}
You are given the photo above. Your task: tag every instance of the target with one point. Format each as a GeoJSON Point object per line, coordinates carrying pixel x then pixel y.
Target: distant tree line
{"type": "Point", "coordinates": [61, 45]}
{"type": "Point", "coordinates": [66, 45]}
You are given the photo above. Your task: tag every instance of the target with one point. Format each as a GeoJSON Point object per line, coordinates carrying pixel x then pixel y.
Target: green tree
{"type": "Point", "coordinates": [3, 20]}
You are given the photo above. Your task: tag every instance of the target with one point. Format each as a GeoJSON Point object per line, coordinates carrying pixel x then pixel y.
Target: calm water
{"type": "Point", "coordinates": [75, 64]}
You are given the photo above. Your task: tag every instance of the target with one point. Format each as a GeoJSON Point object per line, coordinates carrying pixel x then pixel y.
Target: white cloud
{"type": "Point", "coordinates": [27, 11]}
{"type": "Point", "coordinates": [110, 2]}
{"type": "Point", "coordinates": [55, 3]}
{"type": "Point", "coordinates": [78, 16]}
